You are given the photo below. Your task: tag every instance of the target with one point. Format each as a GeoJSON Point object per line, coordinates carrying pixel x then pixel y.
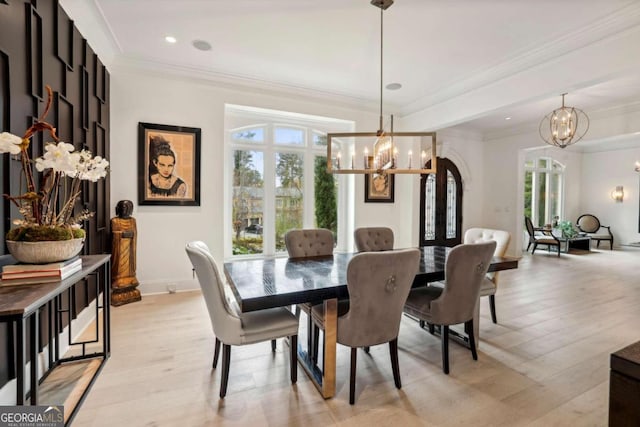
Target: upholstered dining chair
{"type": "Point", "coordinates": [371, 239]}
{"type": "Point", "coordinates": [465, 268]}
{"type": "Point", "coordinates": [546, 238]}
{"type": "Point", "coordinates": [489, 284]}
{"type": "Point", "coordinates": [590, 225]}
{"type": "Point", "coordinates": [378, 284]}
{"type": "Point", "coordinates": [303, 243]}
{"type": "Point", "coordinates": [230, 326]}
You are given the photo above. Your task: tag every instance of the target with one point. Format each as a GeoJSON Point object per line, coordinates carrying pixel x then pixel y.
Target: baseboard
{"type": "Point", "coordinates": [79, 324]}
{"type": "Point", "coordinates": [166, 286]}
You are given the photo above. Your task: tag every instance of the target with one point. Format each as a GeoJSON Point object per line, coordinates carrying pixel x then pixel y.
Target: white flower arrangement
{"type": "Point", "coordinates": [63, 171]}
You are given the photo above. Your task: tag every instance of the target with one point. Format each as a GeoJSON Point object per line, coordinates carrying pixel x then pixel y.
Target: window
{"type": "Point", "coordinates": [543, 191]}
{"type": "Point", "coordinates": [279, 179]}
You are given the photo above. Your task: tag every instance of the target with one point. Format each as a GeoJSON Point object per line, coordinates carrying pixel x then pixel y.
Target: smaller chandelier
{"type": "Point", "coordinates": [564, 126]}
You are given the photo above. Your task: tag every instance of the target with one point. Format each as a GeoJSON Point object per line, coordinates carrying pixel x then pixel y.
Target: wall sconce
{"type": "Point", "coordinates": [618, 194]}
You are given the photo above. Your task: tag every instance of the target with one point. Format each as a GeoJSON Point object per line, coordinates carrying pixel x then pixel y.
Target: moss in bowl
{"type": "Point", "coordinates": [44, 233]}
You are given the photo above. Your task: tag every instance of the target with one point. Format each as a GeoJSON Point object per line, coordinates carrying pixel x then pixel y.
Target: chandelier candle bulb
{"type": "Point", "coordinates": [353, 158]}
{"type": "Point", "coordinates": [338, 156]}
{"type": "Point", "coordinates": [410, 153]}
{"type": "Point", "coordinates": [424, 158]}
{"type": "Point", "coordinates": [366, 158]}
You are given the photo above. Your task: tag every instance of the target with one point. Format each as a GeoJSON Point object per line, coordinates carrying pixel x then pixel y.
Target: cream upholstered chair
{"type": "Point", "coordinates": [230, 326]}
{"type": "Point", "coordinates": [378, 284]}
{"type": "Point", "coordinates": [489, 284]}
{"type": "Point", "coordinates": [546, 238]}
{"type": "Point", "coordinates": [590, 224]}
{"type": "Point", "coordinates": [371, 239]}
{"type": "Point", "coordinates": [465, 268]}
{"type": "Point", "coordinates": [304, 243]}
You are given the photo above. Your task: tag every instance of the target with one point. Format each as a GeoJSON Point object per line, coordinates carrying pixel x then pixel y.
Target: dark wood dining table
{"type": "Point", "coordinates": [277, 282]}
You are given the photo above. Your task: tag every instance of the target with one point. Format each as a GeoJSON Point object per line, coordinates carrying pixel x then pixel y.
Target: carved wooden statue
{"type": "Point", "coordinates": [123, 256]}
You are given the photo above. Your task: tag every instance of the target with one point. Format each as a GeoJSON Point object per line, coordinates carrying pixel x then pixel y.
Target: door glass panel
{"type": "Point", "coordinates": [430, 207]}
{"type": "Point", "coordinates": [451, 206]}
{"type": "Point", "coordinates": [555, 196]}
{"type": "Point", "coordinates": [247, 209]}
{"type": "Point", "coordinates": [289, 195]}
{"type": "Point", "coordinates": [528, 185]}
{"type": "Point", "coordinates": [325, 188]}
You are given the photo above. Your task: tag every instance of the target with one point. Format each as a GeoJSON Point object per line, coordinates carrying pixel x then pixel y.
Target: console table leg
{"type": "Point", "coordinates": [35, 332]}
{"type": "Point", "coordinates": [20, 361]}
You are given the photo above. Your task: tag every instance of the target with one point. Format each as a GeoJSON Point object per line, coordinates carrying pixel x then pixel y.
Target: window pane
{"type": "Point", "coordinates": [542, 200]}
{"type": "Point", "coordinates": [319, 139]}
{"type": "Point", "coordinates": [249, 135]}
{"type": "Point", "coordinates": [289, 197]}
{"type": "Point", "coordinates": [556, 197]}
{"type": "Point", "coordinates": [528, 182]}
{"type": "Point", "coordinates": [430, 207]}
{"type": "Point", "coordinates": [451, 206]}
{"type": "Point", "coordinates": [542, 163]}
{"type": "Point", "coordinates": [529, 164]}
{"type": "Point", "coordinates": [326, 190]}
{"type": "Point", "coordinates": [247, 210]}
{"type": "Point", "coordinates": [557, 167]}
{"type": "Point", "coordinates": [289, 136]}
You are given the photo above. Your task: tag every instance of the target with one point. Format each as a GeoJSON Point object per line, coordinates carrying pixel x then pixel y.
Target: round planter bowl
{"type": "Point", "coordinates": [45, 252]}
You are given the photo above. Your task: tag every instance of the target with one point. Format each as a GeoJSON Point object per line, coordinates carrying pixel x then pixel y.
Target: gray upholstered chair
{"type": "Point", "coordinates": [465, 268]}
{"type": "Point", "coordinates": [310, 242]}
{"type": "Point", "coordinates": [378, 284]}
{"type": "Point", "coordinates": [489, 284]}
{"type": "Point", "coordinates": [371, 239]}
{"type": "Point", "coordinates": [304, 243]}
{"type": "Point", "coordinates": [544, 238]}
{"type": "Point", "coordinates": [230, 326]}
{"type": "Point", "coordinates": [590, 225]}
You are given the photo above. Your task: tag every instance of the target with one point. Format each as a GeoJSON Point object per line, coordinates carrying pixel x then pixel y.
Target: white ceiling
{"type": "Point", "coordinates": [434, 48]}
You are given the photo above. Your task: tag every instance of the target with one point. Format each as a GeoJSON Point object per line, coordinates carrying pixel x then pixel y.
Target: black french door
{"type": "Point", "coordinates": [441, 205]}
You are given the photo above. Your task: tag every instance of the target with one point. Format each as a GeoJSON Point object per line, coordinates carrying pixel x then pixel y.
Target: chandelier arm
{"type": "Point", "coordinates": [381, 63]}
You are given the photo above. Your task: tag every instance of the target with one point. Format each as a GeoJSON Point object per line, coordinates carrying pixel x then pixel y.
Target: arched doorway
{"type": "Point", "coordinates": [441, 206]}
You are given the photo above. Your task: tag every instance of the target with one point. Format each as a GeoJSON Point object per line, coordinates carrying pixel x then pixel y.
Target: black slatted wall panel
{"type": "Point", "coordinates": [39, 45]}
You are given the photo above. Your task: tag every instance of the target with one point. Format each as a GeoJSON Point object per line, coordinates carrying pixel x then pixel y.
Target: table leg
{"type": "Point", "coordinates": [20, 361]}
{"type": "Point", "coordinates": [35, 332]}
{"type": "Point", "coordinates": [325, 380]}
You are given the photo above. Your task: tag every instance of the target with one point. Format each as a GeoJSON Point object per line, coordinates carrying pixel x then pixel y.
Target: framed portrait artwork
{"type": "Point", "coordinates": [379, 188]}
{"type": "Point", "coordinates": [168, 165]}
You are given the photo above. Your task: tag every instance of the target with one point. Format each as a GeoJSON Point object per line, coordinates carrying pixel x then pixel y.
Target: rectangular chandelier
{"type": "Point", "coordinates": [384, 157]}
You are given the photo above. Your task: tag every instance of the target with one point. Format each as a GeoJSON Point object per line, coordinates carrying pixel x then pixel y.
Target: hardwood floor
{"type": "Point", "coordinates": [545, 364]}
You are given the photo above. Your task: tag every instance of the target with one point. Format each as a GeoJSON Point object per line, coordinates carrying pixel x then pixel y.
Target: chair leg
{"type": "Point", "coordinates": [611, 244]}
{"type": "Point", "coordinates": [294, 358]}
{"type": "Point", "coordinates": [492, 305]}
{"type": "Point", "coordinates": [559, 248]}
{"type": "Point", "coordinates": [393, 352]}
{"type": "Point", "coordinates": [310, 337]}
{"type": "Point", "coordinates": [597, 244]}
{"type": "Point", "coordinates": [366, 349]}
{"type": "Point", "coordinates": [445, 349]}
{"type": "Point", "coordinates": [535, 245]}
{"type": "Point", "coordinates": [421, 323]}
{"type": "Point", "coordinates": [352, 380]}
{"type": "Point", "coordinates": [216, 353]}
{"type": "Point", "coordinates": [472, 339]}
{"type": "Point", "coordinates": [529, 245]}
{"type": "Point", "coordinates": [432, 328]}
{"type": "Point", "coordinates": [273, 346]}
{"type": "Point", "coordinates": [226, 358]}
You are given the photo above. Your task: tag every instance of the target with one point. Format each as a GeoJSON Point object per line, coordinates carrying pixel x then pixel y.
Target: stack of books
{"type": "Point", "coordinates": [25, 274]}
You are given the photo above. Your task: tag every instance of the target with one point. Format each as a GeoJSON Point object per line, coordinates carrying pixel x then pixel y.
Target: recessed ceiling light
{"type": "Point", "coordinates": [507, 118]}
{"type": "Point", "coordinates": [394, 86]}
{"type": "Point", "coordinates": [201, 45]}
{"type": "Point", "coordinates": [170, 39]}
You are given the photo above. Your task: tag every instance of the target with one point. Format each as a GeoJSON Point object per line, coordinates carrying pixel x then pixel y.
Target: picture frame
{"type": "Point", "coordinates": [168, 165]}
{"type": "Point", "coordinates": [379, 188]}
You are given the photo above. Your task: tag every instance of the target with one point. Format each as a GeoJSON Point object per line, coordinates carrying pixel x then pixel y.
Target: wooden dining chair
{"type": "Point", "coordinates": [378, 284]}
{"type": "Point", "coordinates": [465, 268]}
{"type": "Point", "coordinates": [230, 326]}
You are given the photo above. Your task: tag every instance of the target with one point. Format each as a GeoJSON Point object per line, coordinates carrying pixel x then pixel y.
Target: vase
{"type": "Point", "coordinates": [46, 251]}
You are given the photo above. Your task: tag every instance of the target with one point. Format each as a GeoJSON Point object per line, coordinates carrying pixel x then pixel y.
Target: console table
{"type": "Point", "coordinates": [624, 387]}
{"type": "Point", "coordinates": [20, 307]}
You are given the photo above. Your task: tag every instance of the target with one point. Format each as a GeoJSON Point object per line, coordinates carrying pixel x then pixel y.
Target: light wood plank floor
{"type": "Point", "coordinates": [545, 364]}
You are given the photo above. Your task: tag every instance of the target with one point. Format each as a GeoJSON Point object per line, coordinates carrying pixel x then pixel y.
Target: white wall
{"type": "Point", "coordinates": [601, 173]}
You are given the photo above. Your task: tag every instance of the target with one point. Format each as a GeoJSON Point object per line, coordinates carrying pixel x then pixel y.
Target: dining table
{"type": "Point", "coordinates": [268, 282]}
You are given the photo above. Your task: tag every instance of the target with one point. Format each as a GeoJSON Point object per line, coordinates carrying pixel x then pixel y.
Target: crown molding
{"type": "Point", "coordinates": [125, 63]}
{"type": "Point", "coordinates": [616, 23]}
